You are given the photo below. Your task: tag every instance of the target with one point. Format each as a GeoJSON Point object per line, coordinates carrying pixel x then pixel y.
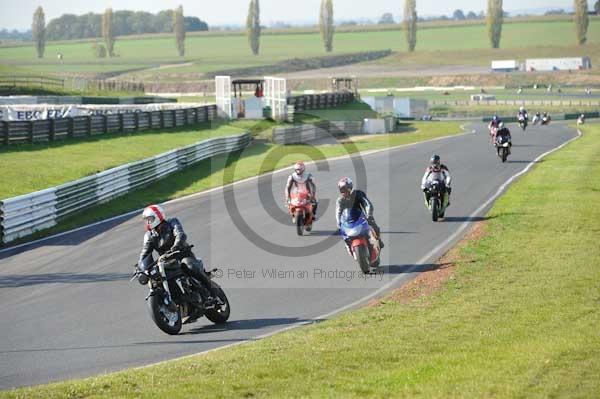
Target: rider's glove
{"type": "Point", "coordinates": [449, 190]}
{"type": "Point", "coordinates": [424, 188]}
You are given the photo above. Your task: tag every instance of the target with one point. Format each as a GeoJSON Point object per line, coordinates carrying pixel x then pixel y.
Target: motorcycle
{"type": "Point", "coordinates": [300, 208]}
{"type": "Point", "coordinates": [436, 204]}
{"type": "Point", "coordinates": [523, 122]}
{"type": "Point", "coordinates": [361, 239]}
{"type": "Point", "coordinates": [536, 119]}
{"type": "Point", "coordinates": [503, 146]}
{"type": "Point", "coordinates": [546, 120]}
{"type": "Point", "coordinates": [176, 298]}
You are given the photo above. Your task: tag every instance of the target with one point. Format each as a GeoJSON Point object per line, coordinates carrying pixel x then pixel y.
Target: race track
{"type": "Point", "coordinates": [68, 309]}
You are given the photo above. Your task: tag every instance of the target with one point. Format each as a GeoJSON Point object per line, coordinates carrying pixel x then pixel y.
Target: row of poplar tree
{"type": "Point", "coordinates": [326, 25]}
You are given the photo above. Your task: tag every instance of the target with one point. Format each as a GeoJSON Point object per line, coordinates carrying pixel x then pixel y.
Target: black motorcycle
{"type": "Point", "coordinates": [503, 146]}
{"type": "Point", "coordinates": [435, 192]}
{"type": "Point", "coordinates": [176, 298]}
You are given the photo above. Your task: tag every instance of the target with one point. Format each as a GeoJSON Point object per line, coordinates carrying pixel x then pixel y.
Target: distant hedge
{"type": "Point", "coordinates": [304, 64]}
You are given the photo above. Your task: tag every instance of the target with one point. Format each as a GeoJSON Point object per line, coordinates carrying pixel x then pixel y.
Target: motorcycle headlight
{"type": "Point", "coordinates": [143, 279]}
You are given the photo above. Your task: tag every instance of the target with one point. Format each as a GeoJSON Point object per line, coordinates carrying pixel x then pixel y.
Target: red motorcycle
{"type": "Point", "coordinates": [300, 207]}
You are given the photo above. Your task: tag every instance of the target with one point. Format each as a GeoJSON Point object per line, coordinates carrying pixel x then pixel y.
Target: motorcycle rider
{"type": "Point", "coordinates": [503, 131]}
{"type": "Point", "coordinates": [546, 118]}
{"type": "Point", "coordinates": [537, 118]}
{"type": "Point", "coordinates": [299, 177]}
{"type": "Point", "coordinates": [436, 167]}
{"type": "Point", "coordinates": [164, 235]}
{"type": "Point", "coordinates": [522, 114]}
{"type": "Point", "coordinates": [355, 199]}
{"type": "Point", "coordinates": [493, 126]}
{"type": "Point", "coordinates": [581, 119]}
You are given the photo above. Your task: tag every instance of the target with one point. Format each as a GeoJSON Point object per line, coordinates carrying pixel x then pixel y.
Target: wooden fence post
{"type": "Point", "coordinates": [70, 128]}
{"type": "Point", "coordinates": [120, 123]}
{"type": "Point", "coordinates": [136, 121]}
{"type": "Point", "coordinates": [162, 119]}
{"type": "Point", "coordinates": [104, 124]}
{"type": "Point", "coordinates": [30, 131]}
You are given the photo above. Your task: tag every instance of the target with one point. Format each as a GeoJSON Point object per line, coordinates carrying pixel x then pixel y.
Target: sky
{"type": "Point", "coordinates": [17, 14]}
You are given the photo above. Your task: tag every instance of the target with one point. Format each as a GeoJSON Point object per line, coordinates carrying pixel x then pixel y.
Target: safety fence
{"type": "Point", "coordinates": [317, 131]}
{"type": "Point", "coordinates": [319, 101]}
{"type": "Point", "coordinates": [8, 82]}
{"type": "Point", "coordinates": [573, 102]}
{"type": "Point", "coordinates": [96, 100]}
{"type": "Point", "coordinates": [35, 131]}
{"type": "Point", "coordinates": [23, 215]}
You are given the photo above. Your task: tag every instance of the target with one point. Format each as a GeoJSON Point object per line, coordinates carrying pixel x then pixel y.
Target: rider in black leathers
{"type": "Point", "coordinates": [165, 235]}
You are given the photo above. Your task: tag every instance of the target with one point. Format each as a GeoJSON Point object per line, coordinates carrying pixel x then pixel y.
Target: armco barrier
{"type": "Point", "coordinates": [26, 214]}
{"type": "Point", "coordinates": [309, 132]}
{"type": "Point", "coordinates": [16, 132]}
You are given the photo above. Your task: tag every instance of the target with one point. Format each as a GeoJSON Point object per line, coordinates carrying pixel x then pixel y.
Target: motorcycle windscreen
{"type": "Point", "coordinates": [353, 222]}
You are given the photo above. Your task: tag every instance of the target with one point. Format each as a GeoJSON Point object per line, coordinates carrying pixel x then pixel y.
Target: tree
{"type": "Point", "coordinates": [179, 30]}
{"type": "Point", "coordinates": [459, 14]}
{"type": "Point", "coordinates": [581, 20]}
{"type": "Point", "coordinates": [38, 31]}
{"type": "Point", "coordinates": [326, 24]}
{"type": "Point", "coordinates": [410, 23]}
{"type": "Point", "coordinates": [387, 19]}
{"type": "Point", "coordinates": [253, 26]}
{"type": "Point", "coordinates": [107, 32]}
{"type": "Point", "coordinates": [597, 7]}
{"type": "Point", "coordinates": [471, 15]}
{"type": "Point", "coordinates": [494, 22]}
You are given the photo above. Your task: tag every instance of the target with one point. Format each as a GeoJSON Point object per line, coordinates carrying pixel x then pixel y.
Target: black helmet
{"type": "Point", "coordinates": [435, 161]}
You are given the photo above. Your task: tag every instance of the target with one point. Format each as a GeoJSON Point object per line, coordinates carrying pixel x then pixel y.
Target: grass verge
{"type": "Point", "coordinates": [256, 159]}
{"type": "Point", "coordinates": [110, 150]}
{"type": "Point", "coordinates": [519, 318]}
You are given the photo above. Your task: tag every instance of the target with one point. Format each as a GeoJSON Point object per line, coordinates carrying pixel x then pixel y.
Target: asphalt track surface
{"type": "Point", "coordinates": [68, 308]}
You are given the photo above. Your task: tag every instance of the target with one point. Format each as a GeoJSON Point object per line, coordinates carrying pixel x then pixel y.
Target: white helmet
{"type": "Point", "coordinates": [299, 167]}
{"type": "Point", "coordinates": [500, 125]}
{"type": "Point", "coordinates": [522, 109]}
{"type": "Point", "coordinates": [153, 216]}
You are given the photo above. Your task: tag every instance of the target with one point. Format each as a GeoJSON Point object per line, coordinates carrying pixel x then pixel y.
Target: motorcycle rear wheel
{"type": "Point", "coordinates": [219, 314]}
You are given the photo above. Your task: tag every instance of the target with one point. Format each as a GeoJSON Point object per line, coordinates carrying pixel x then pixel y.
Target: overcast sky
{"type": "Point", "coordinates": [17, 14]}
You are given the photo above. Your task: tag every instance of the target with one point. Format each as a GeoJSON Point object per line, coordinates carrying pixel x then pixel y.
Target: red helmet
{"type": "Point", "coordinates": [345, 186]}
{"type": "Point", "coordinates": [153, 216]}
{"type": "Point", "coordinates": [299, 167]}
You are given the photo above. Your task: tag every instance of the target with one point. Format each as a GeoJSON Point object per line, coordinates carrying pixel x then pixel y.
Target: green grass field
{"type": "Point", "coordinates": [518, 319]}
{"type": "Point", "coordinates": [209, 53]}
{"type": "Point", "coordinates": [109, 151]}
{"type": "Point", "coordinates": [211, 173]}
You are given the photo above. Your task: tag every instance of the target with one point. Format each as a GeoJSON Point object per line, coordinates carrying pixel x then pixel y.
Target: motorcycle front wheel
{"type": "Point", "coordinates": [363, 258]}
{"type": "Point", "coordinates": [300, 223]}
{"type": "Point", "coordinates": [167, 320]}
{"type": "Point", "coordinates": [434, 209]}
